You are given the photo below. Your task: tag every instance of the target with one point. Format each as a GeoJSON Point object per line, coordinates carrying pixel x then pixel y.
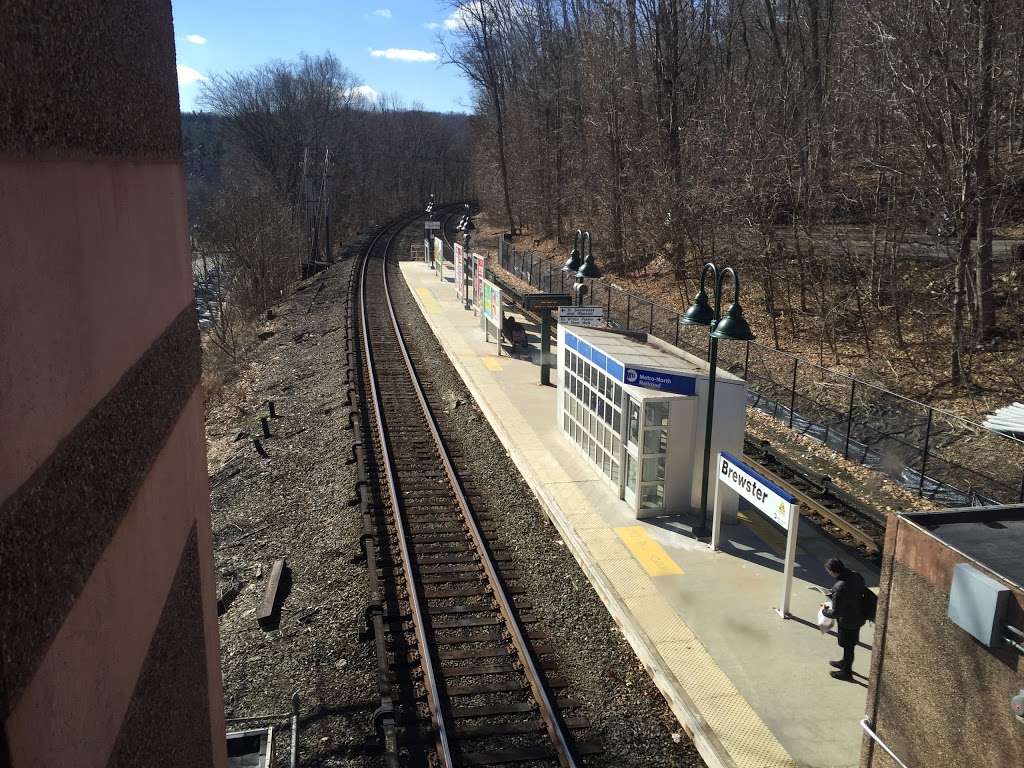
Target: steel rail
{"type": "Point", "coordinates": [552, 722]}
{"type": "Point", "coordinates": [869, 542]}
{"type": "Point", "coordinates": [430, 674]}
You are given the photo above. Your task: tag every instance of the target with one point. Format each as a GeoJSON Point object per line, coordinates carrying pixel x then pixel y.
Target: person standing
{"type": "Point", "coordinates": [848, 611]}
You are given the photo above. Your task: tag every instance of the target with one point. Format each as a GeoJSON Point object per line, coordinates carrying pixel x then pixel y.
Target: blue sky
{"type": "Point", "coordinates": [390, 45]}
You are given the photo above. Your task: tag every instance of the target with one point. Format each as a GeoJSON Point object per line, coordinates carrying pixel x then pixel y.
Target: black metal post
{"type": "Point", "coordinates": [849, 420]}
{"type": "Point", "coordinates": [924, 453]}
{"type": "Point", "coordinates": [792, 393]}
{"type": "Point", "coordinates": [709, 419]}
{"type": "Point", "coordinates": [608, 303]}
{"type": "Point", "coordinates": [650, 324]}
{"type": "Point", "coordinates": [629, 307]}
{"type": "Point", "coordinates": [678, 318]}
{"type": "Point", "coordinates": [545, 346]}
{"type": "Point", "coordinates": [746, 362]}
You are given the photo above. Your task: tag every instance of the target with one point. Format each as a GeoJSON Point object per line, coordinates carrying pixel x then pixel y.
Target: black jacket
{"type": "Point", "coordinates": [847, 600]}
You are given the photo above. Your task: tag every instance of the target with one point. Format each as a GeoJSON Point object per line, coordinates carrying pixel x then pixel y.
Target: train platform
{"type": "Point", "coordinates": [752, 689]}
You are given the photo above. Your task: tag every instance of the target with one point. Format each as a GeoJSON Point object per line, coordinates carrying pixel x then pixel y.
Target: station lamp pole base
{"type": "Point", "coordinates": [545, 347]}
{"type": "Point", "coordinates": [702, 531]}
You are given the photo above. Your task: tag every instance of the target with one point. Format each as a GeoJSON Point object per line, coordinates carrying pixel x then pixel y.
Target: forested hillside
{"type": "Point", "coordinates": [859, 160]}
{"type": "Point", "coordinates": [289, 161]}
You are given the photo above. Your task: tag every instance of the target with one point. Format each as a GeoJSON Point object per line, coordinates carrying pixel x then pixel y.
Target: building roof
{"type": "Point", "coordinates": [1008, 419]}
{"type": "Point", "coordinates": [993, 536]}
{"type": "Point", "coordinates": [643, 351]}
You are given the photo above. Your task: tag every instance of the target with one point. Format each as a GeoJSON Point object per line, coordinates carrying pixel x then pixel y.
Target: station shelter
{"type": "Point", "coordinates": [635, 406]}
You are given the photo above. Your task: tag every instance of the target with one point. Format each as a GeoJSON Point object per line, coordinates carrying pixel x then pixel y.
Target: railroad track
{"type": "Point", "coordinates": [458, 627]}
{"type": "Point", "coordinates": [840, 514]}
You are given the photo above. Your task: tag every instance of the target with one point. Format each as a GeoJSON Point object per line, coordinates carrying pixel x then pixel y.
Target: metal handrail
{"type": "Point", "coordinates": [866, 725]}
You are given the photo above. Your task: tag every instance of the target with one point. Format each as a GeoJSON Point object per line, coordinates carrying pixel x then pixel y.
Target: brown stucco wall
{"type": "Point", "coordinates": [89, 78]}
{"type": "Point", "coordinates": [98, 269]}
{"type": "Point", "coordinates": [938, 697]}
{"type": "Point", "coordinates": [108, 630]}
{"type": "Point", "coordinates": [170, 694]}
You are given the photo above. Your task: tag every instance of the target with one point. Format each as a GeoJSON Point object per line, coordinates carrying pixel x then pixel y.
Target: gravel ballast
{"type": "Point", "coordinates": [630, 718]}
{"type": "Point", "coordinates": [298, 504]}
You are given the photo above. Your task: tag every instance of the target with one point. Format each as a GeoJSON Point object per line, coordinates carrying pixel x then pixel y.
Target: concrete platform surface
{"type": "Point", "coordinates": [751, 688]}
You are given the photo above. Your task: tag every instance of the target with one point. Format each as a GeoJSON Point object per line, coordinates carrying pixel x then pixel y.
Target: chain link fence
{"type": "Point", "coordinates": [934, 453]}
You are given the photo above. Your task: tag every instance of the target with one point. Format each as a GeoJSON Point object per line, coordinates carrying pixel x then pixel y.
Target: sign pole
{"type": "Point", "coordinates": [716, 520]}
{"type": "Point", "coordinates": [787, 586]}
{"type": "Point", "coordinates": [542, 304]}
{"type": "Point", "coordinates": [773, 501]}
{"type": "Point", "coordinates": [545, 346]}
{"type": "Point", "coordinates": [499, 320]}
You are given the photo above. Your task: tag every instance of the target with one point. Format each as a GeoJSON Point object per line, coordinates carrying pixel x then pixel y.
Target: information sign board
{"type": "Point", "coordinates": [478, 278]}
{"type": "Point", "coordinates": [433, 225]}
{"type": "Point", "coordinates": [588, 317]}
{"type": "Point", "coordinates": [460, 276]}
{"type": "Point", "coordinates": [762, 493]}
{"type": "Point", "coordinates": [439, 256]}
{"type": "Point", "coordinates": [491, 312]}
{"type": "Point", "coordinates": [660, 380]}
{"type": "Point", "coordinates": [538, 301]}
{"type": "Point", "coordinates": [777, 504]}
{"type": "Point", "coordinates": [491, 299]}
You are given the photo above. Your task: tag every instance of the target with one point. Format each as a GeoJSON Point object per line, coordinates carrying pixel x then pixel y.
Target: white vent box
{"type": "Point", "coordinates": [977, 604]}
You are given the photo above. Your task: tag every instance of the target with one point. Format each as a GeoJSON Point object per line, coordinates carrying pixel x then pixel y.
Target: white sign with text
{"type": "Point", "coordinates": [776, 503]}
{"type": "Point", "coordinates": [588, 317]}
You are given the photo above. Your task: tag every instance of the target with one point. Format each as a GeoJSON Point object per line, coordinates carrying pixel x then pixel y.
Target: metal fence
{"type": "Point", "coordinates": [932, 452]}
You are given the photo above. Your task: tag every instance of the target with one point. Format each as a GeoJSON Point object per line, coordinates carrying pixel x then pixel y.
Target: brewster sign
{"type": "Point", "coordinates": [777, 504]}
{"type": "Point", "coordinates": [752, 487]}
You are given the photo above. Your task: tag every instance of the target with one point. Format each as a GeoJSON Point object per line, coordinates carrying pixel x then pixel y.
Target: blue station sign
{"type": "Point", "coordinates": [661, 381]}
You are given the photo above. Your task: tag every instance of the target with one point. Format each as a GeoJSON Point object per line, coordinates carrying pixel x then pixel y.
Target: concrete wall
{"type": "Point", "coordinates": [937, 696]}
{"type": "Point", "coordinates": [108, 631]}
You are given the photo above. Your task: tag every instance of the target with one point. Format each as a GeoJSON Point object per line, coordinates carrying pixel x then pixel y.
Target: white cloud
{"type": "Point", "coordinates": [432, 25]}
{"type": "Point", "coordinates": [366, 91]}
{"type": "Point", "coordinates": [188, 75]}
{"type": "Point", "coordinates": [196, 39]}
{"type": "Point", "coordinates": [457, 20]}
{"type": "Point", "coordinates": [384, 13]}
{"type": "Point", "coordinates": [404, 54]}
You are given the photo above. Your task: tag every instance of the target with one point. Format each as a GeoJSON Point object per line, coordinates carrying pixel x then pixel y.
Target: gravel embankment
{"type": "Point", "coordinates": [294, 504]}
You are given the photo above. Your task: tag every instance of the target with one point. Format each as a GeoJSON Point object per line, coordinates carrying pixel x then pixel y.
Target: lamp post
{"type": "Point", "coordinates": [575, 261]}
{"type": "Point", "coordinates": [588, 270]}
{"type": "Point", "coordinates": [429, 211]}
{"type": "Point", "coordinates": [467, 261]}
{"type": "Point", "coordinates": [732, 326]}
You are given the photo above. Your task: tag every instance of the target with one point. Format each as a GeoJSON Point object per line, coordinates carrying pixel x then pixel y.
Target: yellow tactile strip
{"type": "Point", "coordinates": [649, 553]}
{"type": "Point", "coordinates": [428, 302]}
{"type": "Point", "coordinates": [661, 623]}
{"type": "Point", "coordinates": [725, 728]}
{"type": "Point", "coordinates": [603, 544]}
